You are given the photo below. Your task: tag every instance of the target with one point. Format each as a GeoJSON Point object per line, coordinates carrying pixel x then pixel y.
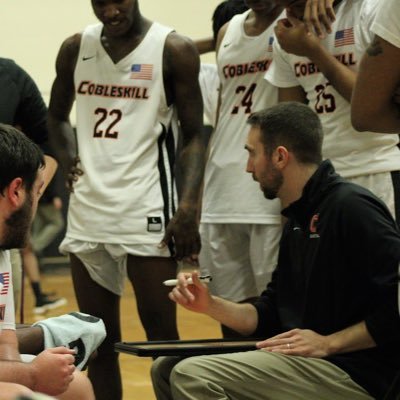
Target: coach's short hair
{"type": "Point", "coordinates": [19, 158]}
{"type": "Point", "coordinates": [293, 125]}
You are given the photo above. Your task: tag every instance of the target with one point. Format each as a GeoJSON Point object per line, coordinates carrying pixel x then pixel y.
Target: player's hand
{"type": "Point", "coordinates": [297, 342]}
{"type": "Point", "coordinates": [294, 37]}
{"type": "Point", "coordinates": [53, 370]}
{"type": "Point", "coordinates": [74, 173]}
{"type": "Point", "coordinates": [319, 16]}
{"type": "Point", "coordinates": [183, 231]}
{"type": "Point", "coordinates": [194, 296]}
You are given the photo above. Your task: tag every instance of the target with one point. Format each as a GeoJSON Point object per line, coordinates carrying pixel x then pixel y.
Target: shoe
{"type": "Point", "coordinates": [45, 304]}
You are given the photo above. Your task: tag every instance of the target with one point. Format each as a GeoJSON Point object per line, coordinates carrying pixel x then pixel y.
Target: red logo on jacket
{"type": "Point", "coordinates": [313, 223]}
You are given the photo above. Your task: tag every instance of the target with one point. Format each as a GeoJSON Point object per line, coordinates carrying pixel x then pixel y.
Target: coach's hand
{"type": "Point", "coordinates": [298, 342]}
{"type": "Point", "coordinates": [193, 296]}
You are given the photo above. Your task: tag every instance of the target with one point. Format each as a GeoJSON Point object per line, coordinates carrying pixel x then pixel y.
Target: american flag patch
{"type": "Point", "coordinates": [344, 37]}
{"type": "Point", "coordinates": [4, 282]}
{"type": "Point", "coordinates": [270, 43]}
{"type": "Point", "coordinates": [142, 71]}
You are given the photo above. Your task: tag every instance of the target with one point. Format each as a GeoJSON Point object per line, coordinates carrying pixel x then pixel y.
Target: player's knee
{"type": "Point", "coordinates": [10, 391]}
{"type": "Point", "coordinates": [106, 349]}
{"type": "Point", "coordinates": [105, 353]}
{"type": "Point", "coordinates": [158, 327]}
{"type": "Point", "coordinates": [79, 389]}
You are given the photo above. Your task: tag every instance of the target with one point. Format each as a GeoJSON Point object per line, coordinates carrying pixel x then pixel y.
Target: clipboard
{"type": "Point", "coordinates": [186, 347]}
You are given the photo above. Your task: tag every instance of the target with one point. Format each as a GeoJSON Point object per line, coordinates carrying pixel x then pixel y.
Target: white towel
{"type": "Point", "coordinates": [75, 330]}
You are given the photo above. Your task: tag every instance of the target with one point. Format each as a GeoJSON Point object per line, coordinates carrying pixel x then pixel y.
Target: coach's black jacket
{"type": "Point", "coordinates": [338, 265]}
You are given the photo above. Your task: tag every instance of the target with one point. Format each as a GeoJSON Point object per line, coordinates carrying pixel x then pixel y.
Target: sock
{"type": "Point", "coordinates": [37, 291]}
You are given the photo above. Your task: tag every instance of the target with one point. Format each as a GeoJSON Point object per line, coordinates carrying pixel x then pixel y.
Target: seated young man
{"type": "Point", "coordinates": [52, 371]}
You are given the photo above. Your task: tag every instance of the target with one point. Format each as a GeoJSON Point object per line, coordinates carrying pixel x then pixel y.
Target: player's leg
{"type": "Point", "coordinates": [10, 391]}
{"type": "Point", "coordinates": [80, 388]}
{"type": "Point", "coordinates": [43, 302]}
{"type": "Point", "coordinates": [52, 223]}
{"type": "Point", "coordinates": [98, 301]}
{"type": "Point", "coordinates": [225, 256]}
{"type": "Point", "coordinates": [157, 313]}
{"type": "Point", "coordinates": [264, 248]}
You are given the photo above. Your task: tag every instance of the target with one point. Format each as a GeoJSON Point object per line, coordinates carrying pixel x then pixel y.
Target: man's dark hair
{"type": "Point", "coordinates": [224, 13]}
{"type": "Point", "coordinates": [293, 125]}
{"type": "Point", "coordinates": [19, 158]}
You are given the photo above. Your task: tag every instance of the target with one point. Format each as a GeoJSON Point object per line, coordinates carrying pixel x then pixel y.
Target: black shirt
{"type": "Point", "coordinates": [338, 265]}
{"type": "Point", "coordinates": [21, 103]}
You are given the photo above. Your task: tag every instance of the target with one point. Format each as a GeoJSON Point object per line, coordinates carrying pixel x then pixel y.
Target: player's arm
{"type": "Point", "coordinates": [30, 339]}
{"type": "Point", "coordinates": [374, 106]}
{"type": "Point", "coordinates": [56, 362]}
{"type": "Point", "coordinates": [181, 70]}
{"type": "Point", "coordinates": [220, 36]}
{"type": "Point", "coordinates": [205, 45]}
{"type": "Point", "coordinates": [9, 345]}
{"type": "Point", "coordinates": [49, 170]}
{"type": "Point", "coordinates": [12, 369]}
{"type": "Point", "coordinates": [294, 37]}
{"type": "Point", "coordinates": [61, 133]}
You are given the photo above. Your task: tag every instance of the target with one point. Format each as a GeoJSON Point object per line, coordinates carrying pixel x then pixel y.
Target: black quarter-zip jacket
{"type": "Point", "coordinates": [338, 265]}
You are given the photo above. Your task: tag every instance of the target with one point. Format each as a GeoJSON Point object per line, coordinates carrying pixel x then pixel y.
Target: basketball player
{"type": "Point", "coordinates": [128, 75]}
{"type": "Point", "coordinates": [375, 101]}
{"type": "Point", "coordinates": [322, 73]}
{"type": "Point", "coordinates": [21, 183]}
{"type": "Point", "coordinates": [240, 231]}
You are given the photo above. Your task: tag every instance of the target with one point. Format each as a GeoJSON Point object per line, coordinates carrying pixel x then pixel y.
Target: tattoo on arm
{"type": "Point", "coordinates": [375, 48]}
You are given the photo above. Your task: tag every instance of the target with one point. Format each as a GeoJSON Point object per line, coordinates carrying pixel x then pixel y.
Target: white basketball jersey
{"type": "Point", "coordinates": [387, 22]}
{"type": "Point", "coordinates": [7, 314]}
{"type": "Point", "coordinates": [230, 194]}
{"type": "Point", "coordinates": [352, 153]}
{"type": "Point", "coordinates": [209, 85]}
{"type": "Point", "coordinates": [125, 143]}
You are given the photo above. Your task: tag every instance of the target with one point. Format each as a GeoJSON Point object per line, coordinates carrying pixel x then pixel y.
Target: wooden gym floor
{"type": "Point", "coordinates": [135, 370]}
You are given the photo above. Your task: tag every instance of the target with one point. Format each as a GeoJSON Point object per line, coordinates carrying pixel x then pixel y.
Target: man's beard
{"type": "Point", "coordinates": [17, 227]}
{"type": "Point", "coordinates": [271, 191]}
